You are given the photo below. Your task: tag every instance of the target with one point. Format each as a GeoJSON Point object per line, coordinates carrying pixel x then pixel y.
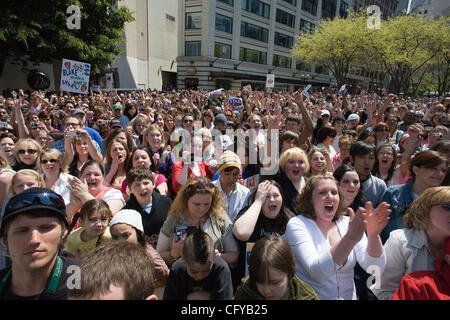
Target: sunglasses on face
{"type": "Point", "coordinates": [29, 151]}
{"type": "Point", "coordinates": [188, 121]}
{"type": "Point", "coordinates": [47, 161]}
{"type": "Point", "coordinates": [383, 130]}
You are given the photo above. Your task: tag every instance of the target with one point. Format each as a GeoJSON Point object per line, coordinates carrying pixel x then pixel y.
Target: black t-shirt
{"type": "Point", "coordinates": [290, 193]}
{"type": "Point", "coordinates": [59, 294]}
{"type": "Point", "coordinates": [218, 283]}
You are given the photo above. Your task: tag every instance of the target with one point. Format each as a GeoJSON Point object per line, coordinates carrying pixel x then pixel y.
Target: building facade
{"type": "Point", "coordinates": [430, 8]}
{"type": "Point", "coordinates": [231, 43]}
{"type": "Point", "coordinates": [150, 48]}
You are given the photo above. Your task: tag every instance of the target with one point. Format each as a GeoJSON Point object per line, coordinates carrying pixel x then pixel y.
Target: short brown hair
{"type": "Point", "coordinates": [418, 215]}
{"type": "Point", "coordinates": [305, 206]}
{"type": "Point", "coordinates": [270, 252]}
{"type": "Point", "coordinates": [427, 159]}
{"type": "Point", "coordinates": [120, 263]}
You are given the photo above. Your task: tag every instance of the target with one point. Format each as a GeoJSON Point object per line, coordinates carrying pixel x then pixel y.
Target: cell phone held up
{"type": "Point", "coordinates": [180, 231]}
{"type": "Point", "coordinates": [73, 133]}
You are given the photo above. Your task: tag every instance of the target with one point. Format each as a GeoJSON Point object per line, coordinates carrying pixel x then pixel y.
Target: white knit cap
{"type": "Point", "coordinates": [128, 216]}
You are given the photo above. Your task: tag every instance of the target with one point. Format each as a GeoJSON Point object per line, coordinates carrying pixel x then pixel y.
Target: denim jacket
{"type": "Point", "coordinates": [400, 198]}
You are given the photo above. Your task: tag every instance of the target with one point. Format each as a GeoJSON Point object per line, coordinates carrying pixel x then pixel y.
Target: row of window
{"type": "Point", "coordinates": [222, 50]}
{"type": "Point", "coordinates": [225, 24]}
{"type": "Point", "coordinates": [263, 9]}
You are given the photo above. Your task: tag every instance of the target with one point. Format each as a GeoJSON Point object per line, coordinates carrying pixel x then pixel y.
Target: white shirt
{"type": "Point", "coordinates": [236, 201]}
{"type": "Point", "coordinates": [315, 265]}
{"type": "Point", "coordinates": [406, 251]}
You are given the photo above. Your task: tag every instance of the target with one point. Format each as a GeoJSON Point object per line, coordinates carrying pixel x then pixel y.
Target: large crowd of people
{"type": "Point", "coordinates": [224, 194]}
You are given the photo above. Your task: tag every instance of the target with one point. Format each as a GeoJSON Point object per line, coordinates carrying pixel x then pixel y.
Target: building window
{"type": "Point", "coordinates": [306, 26]}
{"type": "Point", "coordinates": [285, 18]}
{"type": "Point", "coordinates": [191, 83]}
{"type": "Point", "coordinates": [251, 55]}
{"type": "Point", "coordinates": [284, 40]}
{"type": "Point", "coordinates": [223, 83]}
{"type": "Point", "coordinates": [257, 7]}
{"type": "Point", "coordinates": [252, 31]}
{"type": "Point", "coordinates": [343, 10]}
{"type": "Point", "coordinates": [328, 9]}
{"type": "Point", "coordinates": [193, 48]}
{"type": "Point", "coordinates": [310, 6]}
{"type": "Point", "coordinates": [230, 2]}
{"type": "Point", "coordinates": [222, 50]}
{"type": "Point", "coordinates": [224, 23]}
{"type": "Point", "coordinates": [300, 65]}
{"type": "Point", "coordinates": [321, 69]}
{"type": "Point", "coordinates": [281, 61]}
{"type": "Point", "coordinates": [293, 2]}
{"type": "Point", "coordinates": [193, 20]}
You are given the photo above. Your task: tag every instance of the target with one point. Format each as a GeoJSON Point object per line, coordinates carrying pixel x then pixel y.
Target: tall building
{"type": "Point", "coordinates": [150, 47]}
{"type": "Point", "coordinates": [430, 8]}
{"type": "Point", "coordinates": [231, 43]}
{"type": "Point", "coordinates": [387, 7]}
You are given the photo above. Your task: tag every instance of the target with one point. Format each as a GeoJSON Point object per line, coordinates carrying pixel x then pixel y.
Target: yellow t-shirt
{"type": "Point", "coordinates": [74, 243]}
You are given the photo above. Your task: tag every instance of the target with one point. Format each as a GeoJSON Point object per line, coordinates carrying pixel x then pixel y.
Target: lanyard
{"type": "Point", "coordinates": [54, 277]}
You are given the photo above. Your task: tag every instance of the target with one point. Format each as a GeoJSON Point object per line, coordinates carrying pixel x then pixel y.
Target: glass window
{"type": "Point", "coordinates": [321, 69]}
{"type": "Point", "coordinates": [284, 40]}
{"type": "Point", "coordinates": [343, 10]}
{"type": "Point", "coordinates": [310, 6]}
{"type": "Point", "coordinates": [224, 23]}
{"type": "Point", "coordinates": [252, 31]}
{"type": "Point", "coordinates": [230, 2]}
{"type": "Point", "coordinates": [281, 61]}
{"type": "Point", "coordinates": [300, 65]}
{"type": "Point", "coordinates": [222, 50]}
{"type": "Point", "coordinates": [193, 48]}
{"type": "Point", "coordinates": [293, 2]}
{"type": "Point", "coordinates": [193, 20]}
{"type": "Point", "coordinates": [328, 9]}
{"type": "Point", "coordinates": [285, 18]}
{"type": "Point", "coordinates": [251, 55]}
{"type": "Point", "coordinates": [306, 26]}
{"type": "Point", "coordinates": [257, 7]}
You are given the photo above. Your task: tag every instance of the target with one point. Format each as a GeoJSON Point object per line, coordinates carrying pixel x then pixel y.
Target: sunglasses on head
{"type": "Point", "coordinates": [445, 206]}
{"type": "Point", "coordinates": [201, 185]}
{"type": "Point", "coordinates": [29, 151]}
{"type": "Point", "coordinates": [47, 161]}
{"type": "Point", "coordinates": [24, 200]}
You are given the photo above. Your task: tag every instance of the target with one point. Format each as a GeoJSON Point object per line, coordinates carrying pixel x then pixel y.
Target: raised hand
{"type": "Point", "coordinates": [357, 224]}
{"type": "Point", "coordinates": [378, 218]}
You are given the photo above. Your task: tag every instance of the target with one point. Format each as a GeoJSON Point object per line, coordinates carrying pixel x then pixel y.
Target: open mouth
{"type": "Point", "coordinates": [296, 172]}
{"type": "Point", "coordinates": [329, 208]}
{"type": "Point", "coordinates": [92, 184]}
{"type": "Point", "coordinates": [272, 207]}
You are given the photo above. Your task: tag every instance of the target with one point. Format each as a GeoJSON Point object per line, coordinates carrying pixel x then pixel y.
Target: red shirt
{"type": "Point", "coordinates": [178, 167]}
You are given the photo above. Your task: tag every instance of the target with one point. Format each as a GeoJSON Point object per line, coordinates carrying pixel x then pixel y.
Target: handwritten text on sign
{"type": "Point", "coordinates": [75, 76]}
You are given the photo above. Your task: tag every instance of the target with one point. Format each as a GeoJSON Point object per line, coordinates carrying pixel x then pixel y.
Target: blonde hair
{"type": "Point", "coordinates": [418, 215]}
{"type": "Point", "coordinates": [25, 141]}
{"type": "Point", "coordinates": [26, 172]}
{"type": "Point", "coordinates": [55, 154]}
{"type": "Point", "coordinates": [4, 164]}
{"type": "Point", "coordinates": [193, 186]}
{"type": "Point", "coordinates": [294, 152]}
{"type": "Point", "coordinates": [152, 127]}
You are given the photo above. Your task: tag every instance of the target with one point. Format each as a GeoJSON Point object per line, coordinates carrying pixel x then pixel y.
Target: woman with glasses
{"type": "Point", "coordinates": [27, 153]}
{"type": "Point", "coordinates": [55, 173]}
{"type": "Point", "coordinates": [420, 243]}
{"type": "Point", "coordinates": [381, 130]}
{"type": "Point", "coordinates": [199, 203]}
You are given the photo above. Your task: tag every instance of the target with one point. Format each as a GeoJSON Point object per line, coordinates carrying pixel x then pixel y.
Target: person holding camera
{"type": "Point", "coordinates": [198, 204]}
{"type": "Point", "coordinates": [190, 164]}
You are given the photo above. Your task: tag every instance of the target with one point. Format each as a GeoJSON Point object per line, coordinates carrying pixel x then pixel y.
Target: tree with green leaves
{"type": "Point", "coordinates": [37, 32]}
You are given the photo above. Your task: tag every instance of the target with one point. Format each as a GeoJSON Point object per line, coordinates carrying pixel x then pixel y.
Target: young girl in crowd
{"type": "Point", "coordinates": [127, 226]}
{"type": "Point", "coordinates": [266, 215]}
{"type": "Point", "coordinates": [272, 274]}
{"type": "Point", "coordinates": [320, 162]}
{"type": "Point", "coordinates": [27, 153]}
{"type": "Point", "coordinates": [116, 160]}
{"type": "Point", "coordinates": [94, 231]}
{"type": "Point", "coordinates": [200, 274]}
